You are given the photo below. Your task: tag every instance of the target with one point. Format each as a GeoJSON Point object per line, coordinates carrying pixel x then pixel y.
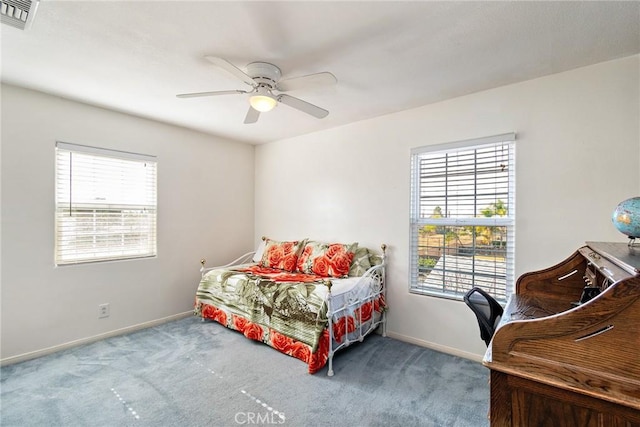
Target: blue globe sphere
{"type": "Point", "coordinates": [626, 217]}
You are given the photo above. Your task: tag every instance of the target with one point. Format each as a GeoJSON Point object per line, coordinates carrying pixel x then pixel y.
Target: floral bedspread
{"type": "Point", "coordinates": [284, 310]}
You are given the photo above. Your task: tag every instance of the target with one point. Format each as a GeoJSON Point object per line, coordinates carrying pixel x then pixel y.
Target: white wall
{"type": "Point", "coordinates": [205, 209]}
{"type": "Point", "coordinates": [577, 155]}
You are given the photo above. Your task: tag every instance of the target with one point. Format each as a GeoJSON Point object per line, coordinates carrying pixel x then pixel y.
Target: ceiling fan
{"type": "Point", "coordinates": [265, 78]}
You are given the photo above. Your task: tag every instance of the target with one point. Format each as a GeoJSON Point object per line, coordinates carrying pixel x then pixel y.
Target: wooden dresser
{"type": "Point", "coordinates": [557, 362]}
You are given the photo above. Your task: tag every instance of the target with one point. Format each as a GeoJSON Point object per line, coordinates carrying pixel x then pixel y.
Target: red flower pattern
{"type": "Point", "coordinates": [341, 262]}
{"type": "Point", "coordinates": [239, 323]}
{"type": "Point", "coordinates": [275, 255]}
{"type": "Point", "coordinates": [280, 342]}
{"type": "Point", "coordinates": [319, 358]}
{"type": "Point", "coordinates": [301, 351]}
{"type": "Point", "coordinates": [213, 313]}
{"type": "Point", "coordinates": [326, 260]}
{"type": "Point", "coordinates": [289, 262]}
{"type": "Point", "coordinates": [281, 255]}
{"type": "Point", "coordinates": [365, 312]}
{"type": "Point", "coordinates": [321, 266]}
{"type": "Point", "coordinates": [288, 345]}
{"type": "Point", "coordinates": [253, 331]}
{"type": "Point", "coordinates": [334, 249]}
{"type": "Point", "coordinates": [344, 325]}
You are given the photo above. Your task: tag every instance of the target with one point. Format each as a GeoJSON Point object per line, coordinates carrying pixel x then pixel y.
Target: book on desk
{"type": "Point", "coordinates": [567, 349]}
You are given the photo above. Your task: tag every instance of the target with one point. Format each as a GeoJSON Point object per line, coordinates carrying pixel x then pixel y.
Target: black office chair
{"type": "Point", "coordinates": [487, 310]}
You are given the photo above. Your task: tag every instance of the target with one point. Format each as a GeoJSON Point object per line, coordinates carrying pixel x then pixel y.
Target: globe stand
{"type": "Point", "coordinates": [633, 243]}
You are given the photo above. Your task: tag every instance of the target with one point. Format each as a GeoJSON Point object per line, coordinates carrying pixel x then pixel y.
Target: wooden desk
{"type": "Point", "coordinates": [555, 363]}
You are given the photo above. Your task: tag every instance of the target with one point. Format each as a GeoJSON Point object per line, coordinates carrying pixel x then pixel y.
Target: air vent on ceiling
{"type": "Point", "coordinates": [18, 13]}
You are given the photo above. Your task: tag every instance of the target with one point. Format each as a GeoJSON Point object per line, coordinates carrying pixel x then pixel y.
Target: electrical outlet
{"type": "Point", "coordinates": [103, 310]}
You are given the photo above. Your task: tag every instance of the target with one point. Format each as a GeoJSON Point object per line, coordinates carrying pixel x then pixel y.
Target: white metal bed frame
{"type": "Point", "coordinates": [375, 278]}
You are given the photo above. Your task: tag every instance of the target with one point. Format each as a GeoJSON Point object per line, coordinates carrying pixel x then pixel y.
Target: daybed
{"type": "Point", "coordinates": [304, 298]}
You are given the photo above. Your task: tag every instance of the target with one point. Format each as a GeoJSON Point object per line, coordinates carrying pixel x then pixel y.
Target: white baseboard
{"type": "Point", "coordinates": [438, 347]}
{"type": "Point", "coordinates": [39, 353]}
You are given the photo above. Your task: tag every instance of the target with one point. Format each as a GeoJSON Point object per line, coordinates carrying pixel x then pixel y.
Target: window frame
{"type": "Point", "coordinates": [417, 221]}
{"type": "Point", "coordinates": [119, 220]}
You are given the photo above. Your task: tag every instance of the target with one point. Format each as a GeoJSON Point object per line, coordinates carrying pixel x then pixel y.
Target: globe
{"type": "Point", "coordinates": [626, 217]}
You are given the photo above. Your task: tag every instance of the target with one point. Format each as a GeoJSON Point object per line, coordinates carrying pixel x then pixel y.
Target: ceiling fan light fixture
{"type": "Point", "coordinates": [264, 79]}
{"type": "Point", "coordinates": [263, 103]}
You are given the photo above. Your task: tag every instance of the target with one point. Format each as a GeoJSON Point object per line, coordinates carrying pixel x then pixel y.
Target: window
{"type": "Point", "coordinates": [105, 204]}
{"type": "Point", "coordinates": [463, 217]}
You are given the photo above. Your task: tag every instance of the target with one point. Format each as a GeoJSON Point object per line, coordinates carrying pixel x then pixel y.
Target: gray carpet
{"type": "Point", "coordinates": [190, 373]}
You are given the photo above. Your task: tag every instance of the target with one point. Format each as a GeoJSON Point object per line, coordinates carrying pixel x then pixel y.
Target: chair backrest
{"type": "Point", "coordinates": [487, 310]}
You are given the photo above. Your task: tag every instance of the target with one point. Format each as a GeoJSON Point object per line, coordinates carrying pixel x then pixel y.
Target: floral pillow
{"type": "Point", "coordinates": [281, 255]}
{"type": "Point", "coordinates": [326, 259]}
{"type": "Point", "coordinates": [360, 263]}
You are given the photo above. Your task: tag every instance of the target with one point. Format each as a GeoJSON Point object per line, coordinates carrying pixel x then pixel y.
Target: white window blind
{"type": "Point", "coordinates": [463, 217]}
{"type": "Point", "coordinates": [105, 204]}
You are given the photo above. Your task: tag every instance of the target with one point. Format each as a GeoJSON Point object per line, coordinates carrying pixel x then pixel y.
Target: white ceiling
{"type": "Point", "coordinates": [135, 56]}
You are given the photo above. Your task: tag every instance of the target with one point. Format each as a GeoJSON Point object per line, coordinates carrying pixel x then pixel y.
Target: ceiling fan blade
{"type": "Point", "coordinates": [252, 116]}
{"type": "Point", "coordinates": [303, 106]}
{"type": "Point", "coordinates": [303, 82]}
{"type": "Point", "coordinates": [232, 69]}
{"type": "Point", "coordinates": [214, 93]}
